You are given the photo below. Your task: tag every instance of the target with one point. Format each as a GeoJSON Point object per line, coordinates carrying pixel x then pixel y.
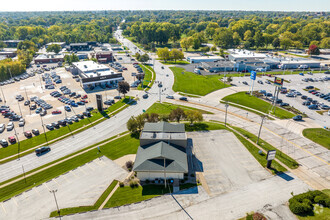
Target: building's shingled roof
{"type": "Point", "coordinates": [151, 158]}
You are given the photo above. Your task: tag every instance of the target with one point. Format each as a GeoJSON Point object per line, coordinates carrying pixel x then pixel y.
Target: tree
{"type": "Point", "coordinates": [229, 79]}
{"type": "Point", "coordinates": [276, 43]}
{"type": "Point", "coordinates": [214, 48]}
{"type": "Point", "coordinates": [177, 114]}
{"type": "Point", "coordinates": [258, 39]}
{"type": "Point", "coordinates": [132, 124]}
{"type": "Point", "coordinates": [223, 38]}
{"type": "Point", "coordinates": [163, 53]}
{"type": "Point", "coordinates": [313, 50]}
{"type": "Point", "coordinates": [194, 116]}
{"type": "Point", "coordinates": [143, 58]}
{"type": "Point", "coordinates": [153, 117]}
{"type": "Point", "coordinates": [2, 45]}
{"type": "Point", "coordinates": [54, 48]}
{"type": "Point", "coordinates": [222, 52]}
{"type": "Point", "coordinates": [325, 43]}
{"type": "Point", "coordinates": [123, 87]}
{"type": "Point", "coordinates": [196, 44]}
{"type": "Point", "coordinates": [314, 42]}
{"type": "Point", "coordinates": [186, 42]}
{"type": "Point", "coordinates": [205, 49]}
{"type": "Point", "coordinates": [140, 122]}
{"type": "Point", "coordinates": [176, 54]}
{"type": "Point", "coordinates": [286, 43]}
{"type": "Point", "coordinates": [137, 56]}
{"type": "Point", "coordinates": [297, 44]}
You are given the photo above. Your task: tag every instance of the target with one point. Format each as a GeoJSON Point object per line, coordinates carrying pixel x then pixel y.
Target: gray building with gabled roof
{"type": "Point", "coordinates": [162, 152]}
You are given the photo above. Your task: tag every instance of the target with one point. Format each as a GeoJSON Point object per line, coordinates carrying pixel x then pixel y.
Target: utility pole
{"type": "Point", "coordinates": [262, 121]}
{"type": "Point", "coordinates": [40, 84]}
{"type": "Point", "coordinates": [58, 210]}
{"type": "Point", "coordinates": [27, 98]}
{"type": "Point", "coordinates": [19, 108]}
{"type": "Point", "coordinates": [226, 114]}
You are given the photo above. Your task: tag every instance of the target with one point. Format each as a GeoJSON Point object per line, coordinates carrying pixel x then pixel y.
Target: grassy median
{"type": "Point", "coordinates": [253, 102]}
{"type": "Point", "coordinates": [165, 108]}
{"type": "Point", "coordinates": [318, 135]}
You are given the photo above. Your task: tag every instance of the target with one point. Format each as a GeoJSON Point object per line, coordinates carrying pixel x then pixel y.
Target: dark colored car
{"type": "Point", "coordinates": [183, 98]}
{"type": "Point", "coordinates": [297, 118]}
{"type": "Point", "coordinates": [42, 150]}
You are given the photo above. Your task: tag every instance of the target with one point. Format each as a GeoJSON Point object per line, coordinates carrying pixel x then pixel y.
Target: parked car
{"type": "Point", "coordinates": [35, 131]}
{"type": "Point", "coordinates": [42, 150]}
{"type": "Point", "coordinates": [10, 126]}
{"type": "Point", "coordinates": [21, 122]}
{"type": "Point", "coordinates": [49, 127]}
{"type": "Point", "coordinates": [89, 109]}
{"type": "Point", "coordinates": [145, 96]}
{"type": "Point", "coordinates": [170, 97]}
{"type": "Point", "coordinates": [2, 127]}
{"type": "Point", "coordinates": [27, 134]}
{"type": "Point", "coordinates": [12, 139]}
{"type": "Point", "coordinates": [183, 98]}
{"type": "Point", "coordinates": [4, 143]}
{"type": "Point", "coordinates": [313, 107]}
{"type": "Point", "coordinates": [27, 102]}
{"type": "Point", "coordinates": [67, 108]}
{"type": "Point", "coordinates": [56, 112]}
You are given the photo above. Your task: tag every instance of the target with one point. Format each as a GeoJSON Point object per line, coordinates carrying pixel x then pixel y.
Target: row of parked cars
{"type": "Point", "coordinates": [117, 66]}
{"type": "Point", "coordinates": [320, 79]}
{"type": "Point", "coordinates": [17, 78]}
{"type": "Point", "coordinates": [12, 116]}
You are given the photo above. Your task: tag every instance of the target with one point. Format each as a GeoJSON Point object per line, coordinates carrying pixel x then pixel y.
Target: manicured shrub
{"type": "Point", "coordinates": [121, 184]}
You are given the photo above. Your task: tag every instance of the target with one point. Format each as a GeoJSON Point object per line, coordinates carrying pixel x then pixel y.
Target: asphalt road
{"type": "Point", "coordinates": [99, 132]}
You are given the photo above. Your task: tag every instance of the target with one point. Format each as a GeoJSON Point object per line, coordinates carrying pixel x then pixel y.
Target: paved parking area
{"type": "Point", "coordinates": [226, 163]}
{"type": "Point", "coordinates": [299, 85]}
{"type": "Point", "coordinates": [79, 187]}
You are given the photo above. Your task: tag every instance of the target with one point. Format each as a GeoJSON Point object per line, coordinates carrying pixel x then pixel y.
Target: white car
{"type": "Point", "coordinates": [329, 113]}
{"type": "Point", "coordinates": [21, 122]}
{"type": "Point", "coordinates": [10, 126]}
{"type": "Point", "coordinates": [2, 127]}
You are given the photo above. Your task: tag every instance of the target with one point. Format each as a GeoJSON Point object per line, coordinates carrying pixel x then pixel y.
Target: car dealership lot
{"type": "Point", "coordinates": [297, 84]}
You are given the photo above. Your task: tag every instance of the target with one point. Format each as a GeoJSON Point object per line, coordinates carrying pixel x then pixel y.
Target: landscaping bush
{"type": "Point", "coordinates": [129, 165]}
{"type": "Point", "coordinates": [303, 203]}
{"type": "Point", "coordinates": [121, 184]}
{"type": "Point", "coordinates": [147, 181]}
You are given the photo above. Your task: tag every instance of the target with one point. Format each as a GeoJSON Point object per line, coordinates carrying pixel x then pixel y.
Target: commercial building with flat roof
{"type": "Point", "coordinates": [94, 74]}
{"type": "Point", "coordinates": [49, 58]}
{"type": "Point", "coordinates": [62, 44]}
{"type": "Point", "coordinates": [219, 66]}
{"type": "Point", "coordinates": [79, 47]}
{"type": "Point", "coordinates": [240, 54]}
{"type": "Point", "coordinates": [12, 43]}
{"type": "Point", "coordinates": [200, 59]}
{"type": "Point", "coordinates": [162, 152]}
{"type": "Point", "coordinates": [8, 52]}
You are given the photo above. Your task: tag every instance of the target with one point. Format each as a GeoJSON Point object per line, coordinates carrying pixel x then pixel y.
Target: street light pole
{"type": "Point", "coordinates": [18, 143]}
{"type": "Point", "coordinates": [23, 173]}
{"type": "Point", "coordinates": [4, 99]}
{"type": "Point", "coordinates": [19, 108]}
{"type": "Point", "coordinates": [262, 121]}
{"type": "Point", "coordinates": [58, 210]}
{"type": "Point", "coordinates": [43, 126]}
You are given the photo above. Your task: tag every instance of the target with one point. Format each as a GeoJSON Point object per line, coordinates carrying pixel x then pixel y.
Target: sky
{"type": "Point", "coordinates": [251, 5]}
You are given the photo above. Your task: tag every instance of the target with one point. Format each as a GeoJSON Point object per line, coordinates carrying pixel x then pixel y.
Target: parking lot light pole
{"type": "Point", "coordinates": [226, 114]}
{"type": "Point", "coordinates": [24, 173]}
{"type": "Point", "coordinates": [19, 108]}
{"type": "Point", "coordinates": [262, 121]}
{"type": "Point", "coordinates": [43, 126]}
{"type": "Point", "coordinates": [18, 143]}
{"type": "Point", "coordinates": [58, 210]}
{"type": "Point", "coordinates": [3, 95]}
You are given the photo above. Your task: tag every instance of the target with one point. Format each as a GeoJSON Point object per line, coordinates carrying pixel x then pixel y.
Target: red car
{"type": "Point", "coordinates": [314, 93]}
{"type": "Point", "coordinates": [135, 63]}
{"type": "Point", "coordinates": [124, 68]}
{"type": "Point", "coordinates": [84, 97]}
{"type": "Point", "coordinates": [56, 112]}
{"type": "Point", "coordinates": [269, 75]}
{"type": "Point", "coordinates": [84, 100]}
{"type": "Point", "coordinates": [27, 134]}
{"type": "Point", "coordinates": [4, 111]}
{"type": "Point", "coordinates": [12, 139]}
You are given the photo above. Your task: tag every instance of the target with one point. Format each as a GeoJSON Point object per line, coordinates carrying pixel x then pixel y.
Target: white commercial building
{"type": "Point", "coordinates": [242, 55]}
{"type": "Point", "coordinates": [201, 59]}
{"type": "Point", "coordinates": [93, 74]}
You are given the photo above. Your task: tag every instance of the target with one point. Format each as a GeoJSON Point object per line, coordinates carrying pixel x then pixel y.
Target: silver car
{"type": "Point", "coordinates": [10, 126]}
{"type": "Point", "coordinates": [2, 127]}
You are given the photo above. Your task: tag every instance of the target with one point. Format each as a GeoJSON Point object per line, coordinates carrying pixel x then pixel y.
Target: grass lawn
{"type": "Point", "coordinates": [192, 83]}
{"type": "Point", "coordinates": [113, 150]}
{"type": "Point", "coordinates": [148, 79]}
{"type": "Point", "coordinates": [98, 203]}
{"type": "Point", "coordinates": [290, 162]}
{"type": "Point", "coordinates": [253, 102]}
{"type": "Point", "coordinates": [204, 126]}
{"type": "Point", "coordinates": [318, 135]}
{"type": "Point", "coordinates": [178, 62]}
{"type": "Point", "coordinates": [165, 108]}
{"type": "Point", "coordinates": [127, 195]}
{"type": "Point", "coordinates": [56, 133]}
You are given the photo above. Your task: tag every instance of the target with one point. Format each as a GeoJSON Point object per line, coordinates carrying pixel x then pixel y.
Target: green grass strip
{"type": "Point", "coordinates": [318, 135]}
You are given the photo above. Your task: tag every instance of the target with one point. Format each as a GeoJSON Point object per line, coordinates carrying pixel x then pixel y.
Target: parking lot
{"type": "Point", "coordinates": [296, 84]}
{"type": "Point", "coordinates": [226, 163]}
{"type": "Point", "coordinates": [79, 187]}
